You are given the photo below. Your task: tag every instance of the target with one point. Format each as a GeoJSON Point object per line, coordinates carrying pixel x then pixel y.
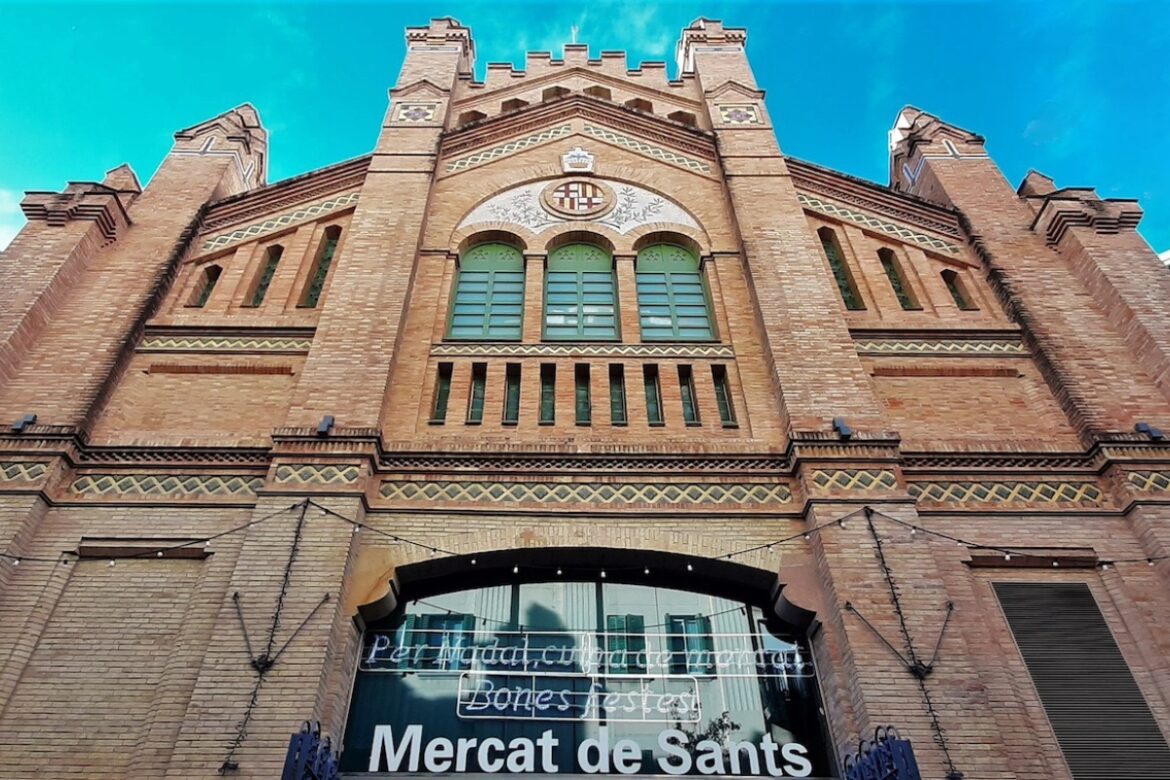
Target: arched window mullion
{"type": "Point", "coordinates": [673, 301]}
{"type": "Point", "coordinates": [580, 295]}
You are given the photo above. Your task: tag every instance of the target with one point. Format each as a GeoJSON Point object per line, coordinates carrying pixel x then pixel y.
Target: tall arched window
{"type": "Point", "coordinates": [580, 299]}
{"type": "Point", "coordinates": [841, 273]}
{"type": "Point", "coordinates": [672, 299]}
{"type": "Point", "coordinates": [205, 286]}
{"type": "Point", "coordinates": [958, 290]}
{"type": "Point", "coordinates": [899, 283]}
{"type": "Point", "coordinates": [320, 270]}
{"type": "Point", "coordinates": [267, 271]}
{"type": "Point", "coordinates": [489, 294]}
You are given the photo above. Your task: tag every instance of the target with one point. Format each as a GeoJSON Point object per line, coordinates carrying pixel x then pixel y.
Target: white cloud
{"type": "Point", "coordinates": [11, 219]}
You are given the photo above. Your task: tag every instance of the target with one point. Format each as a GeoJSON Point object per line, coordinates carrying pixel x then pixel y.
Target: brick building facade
{"type": "Point", "coordinates": [581, 321]}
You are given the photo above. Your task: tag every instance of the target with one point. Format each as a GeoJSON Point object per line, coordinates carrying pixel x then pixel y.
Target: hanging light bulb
{"type": "Point", "coordinates": [16, 561]}
{"type": "Point", "coordinates": [558, 572]}
{"type": "Point", "coordinates": [913, 530]}
{"type": "Point", "coordinates": [515, 569]}
{"type": "Point", "coordinates": [473, 561]}
{"type": "Point", "coordinates": [159, 554]}
{"type": "Point", "coordinates": [1007, 556]}
{"type": "Point", "coordinates": [207, 543]}
{"type": "Point", "coordinates": [807, 536]}
{"type": "Point", "coordinates": [1150, 562]}
{"type": "Point", "coordinates": [1055, 564]}
{"type": "Point", "coordinates": [841, 523]}
{"type": "Point", "coordinates": [357, 527]}
{"type": "Point", "coordinates": [690, 567]}
{"type": "Point", "coordinates": [112, 562]}
{"type": "Point", "coordinates": [646, 570]}
{"type": "Point", "coordinates": [603, 574]}
{"type": "Point", "coordinates": [1105, 566]}
{"type": "Point", "coordinates": [432, 553]}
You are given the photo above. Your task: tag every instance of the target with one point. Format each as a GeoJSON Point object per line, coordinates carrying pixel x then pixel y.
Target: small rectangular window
{"type": "Point", "coordinates": [625, 644]}
{"type": "Point", "coordinates": [690, 404]}
{"type": "Point", "coordinates": [617, 395]}
{"type": "Point", "coordinates": [723, 396]}
{"type": "Point", "coordinates": [584, 403]}
{"type": "Point", "coordinates": [691, 645]}
{"type": "Point", "coordinates": [653, 395]}
{"type": "Point", "coordinates": [442, 393]}
{"type": "Point", "coordinates": [478, 391]}
{"type": "Point", "coordinates": [512, 394]}
{"type": "Point", "coordinates": [548, 394]}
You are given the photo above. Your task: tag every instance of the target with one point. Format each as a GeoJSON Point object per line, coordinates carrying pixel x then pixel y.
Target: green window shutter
{"type": "Point", "coordinates": [580, 298]}
{"type": "Point", "coordinates": [584, 404]}
{"type": "Point", "coordinates": [723, 395]}
{"type": "Point", "coordinates": [478, 390]}
{"type": "Point", "coordinates": [548, 393]}
{"type": "Point", "coordinates": [313, 293]}
{"type": "Point", "coordinates": [442, 392]}
{"type": "Point", "coordinates": [489, 294]}
{"type": "Point", "coordinates": [512, 393]}
{"type": "Point", "coordinates": [653, 395]}
{"type": "Point", "coordinates": [672, 299]}
{"type": "Point", "coordinates": [271, 262]}
{"type": "Point", "coordinates": [958, 293]}
{"type": "Point", "coordinates": [840, 271]}
{"type": "Point", "coordinates": [686, 385]}
{"type": "Point", "coordinates": [617, 395]}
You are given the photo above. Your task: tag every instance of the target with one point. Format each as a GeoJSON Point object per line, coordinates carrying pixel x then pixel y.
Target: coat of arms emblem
{"type": "Point", "coordinates": [578, 198]}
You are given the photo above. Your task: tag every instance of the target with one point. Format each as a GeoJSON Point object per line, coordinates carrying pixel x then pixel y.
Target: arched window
{"type": "Point", "coordinates": [898, 281]}
{"type": "Point", "coordinates": [267, 271]}
{"type": "Point", "coordinates": [958, 290]}
{"type": "Point", "coordinates": [672, 299]}
{"type": "Point", "coordinates": [489, 294]}
{"type": "Point", "coordinates": [206, 284]}
{"type": "Point", "coordinates": [841, 273]}
{"type": "Point", "coordinates": [321, 265]}
{"type": "Point", "coordinates": [580, 299]}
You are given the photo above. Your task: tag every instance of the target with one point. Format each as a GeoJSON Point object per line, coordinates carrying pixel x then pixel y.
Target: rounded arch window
{"type": "Point", "coordinates": [555, 675]}
{"type": "Point", "coordinates": [580, 297]}
{"type": "Point", "coordinates": [488, 304]}
{"type": "Point", "coordinates": [673, 304]}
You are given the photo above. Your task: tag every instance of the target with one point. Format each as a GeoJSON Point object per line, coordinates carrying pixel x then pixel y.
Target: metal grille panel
{"type": "Point", "coordinates": [1103, 725]}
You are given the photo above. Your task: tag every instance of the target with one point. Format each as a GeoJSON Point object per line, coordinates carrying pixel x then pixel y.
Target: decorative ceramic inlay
{"type": "Point", "coordinates": [224, 344]}
{"type": "Point", "coordinates": [175, 485]}
{"type": "Point", "coordinates": [632, 208]}
{"type": "Point", "coordinates": [1006, 492]}
{"type": "Point", "coordinates": [270, 225]}
{"type": "Point", "coordinates": [577, 198]}
{"type": "Point", "coordinates": [893, 229]}
{"type": "Point", "coordinates": [513, 146]}
{"type": "Point", "coordinates": [1150, 481]}
{"type": "Point", "coordinates": [17, 471]}
{"type": "Point", "coordinates": [459, 349]}
{"type": "Point", "coordinates": [855, 479]}
{"type": "Point", "coordinates": [577, 160]}
{"type": "Point", "coordinates": [739, 114]}
{"type": "Point", "coordinates": [930, 347]}
{"type": "Point", "coordinates": [732, 494]}
{"type": "Point", "coordinates": [308, 474]}
{"type": "Point", "coordinates": [415, 113]}
{"type": "Point", "coordinates": [650, 150]}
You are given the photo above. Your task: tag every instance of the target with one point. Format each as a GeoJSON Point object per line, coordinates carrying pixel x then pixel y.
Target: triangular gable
{"type": "Point", "coordinates": [420, 87]}
{"type": "Point", "coordinates": [735, 88]}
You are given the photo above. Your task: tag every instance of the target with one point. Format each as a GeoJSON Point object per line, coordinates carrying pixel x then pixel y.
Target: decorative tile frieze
{"type": "Point", "coordinates": [17, 471]}
{"type": "Point", "coordinates": [1030, 492]}
{"type": "Point", "coordinates": [940, 347]}
{"type": "Point", "coordinates": [713, 351]}
{"type": "Point", "coordinates": [866, 220]}
{"type": "Point", "coordinates": [599, 494]}
{"type": "Point", "coordinates": [283, 221]}
{"type": "Point", "coordinates": [511, 147]}
{"type": "Point", "coordinates": [1150, 481]}
{"type": "Point", "coordinates": [862, 480]}
{"type": "Point", "coordinates": [641, 147]}
{"type": "Point", "coordinates": [415, 113]}
{"type": "Point", "coordinates": [310, 474]}
{"type": "Point", "coordinates": [739, 114]}
{"type": "Point", "coordinates": [572, 464]}
{"type": "Point", "coordinates": [225, 344]}
{"type": "Point", "coordinates": [166, 485]}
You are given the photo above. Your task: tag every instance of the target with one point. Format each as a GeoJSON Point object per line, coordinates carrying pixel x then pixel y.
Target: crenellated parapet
{"type": "Point", "coordinates": [1081, 207]}
{"type": "Point", "coordinates": [85, 201]}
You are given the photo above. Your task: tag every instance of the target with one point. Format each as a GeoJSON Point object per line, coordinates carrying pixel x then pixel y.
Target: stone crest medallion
{"type": "Point", "coordinates": [578, 198]}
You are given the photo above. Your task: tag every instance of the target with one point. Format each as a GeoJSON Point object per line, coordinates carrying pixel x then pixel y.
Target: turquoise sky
{"type": "Point", "coordinates": [1077, 90]}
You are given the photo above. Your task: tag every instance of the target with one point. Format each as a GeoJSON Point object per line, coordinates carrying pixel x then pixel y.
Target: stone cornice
{"type": "Point", "coordinates": [811, 178]}
{"type": "Point", "coordinates": [655, 128]}
{"type": "Point", "coordinates": [1065, 209]}
{"type": "Point", "coordinates": [87, 201]}
{"type": "Point", "coordinates": [281, 195]}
